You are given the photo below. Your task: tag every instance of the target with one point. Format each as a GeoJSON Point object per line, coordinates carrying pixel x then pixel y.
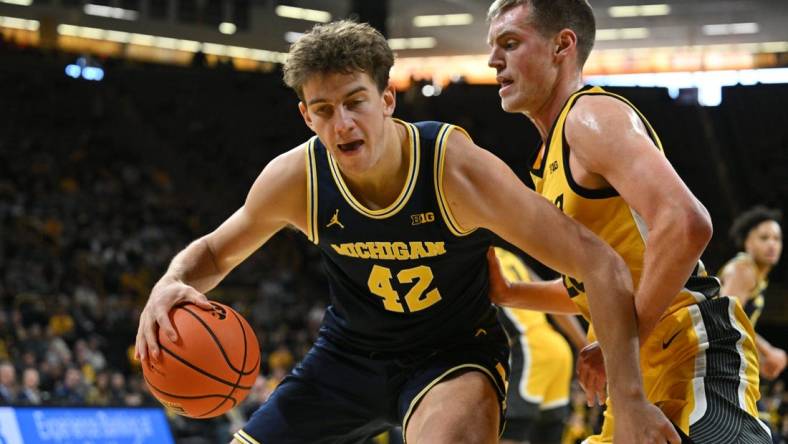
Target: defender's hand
{"type": "Point", "coordinates": [499, 286]}
{"type": "Point", "coordinates": [165, 295]}
{"type": "Point", "coordinates": [773, 363]}
{"type": "Point", "coordinates": [638, 421]}
{"type": "Point", "coordinates": [591, 374]}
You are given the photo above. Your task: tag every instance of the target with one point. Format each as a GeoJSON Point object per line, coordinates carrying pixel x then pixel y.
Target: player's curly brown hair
{"type": "Point", "coordinates": [339, 47]}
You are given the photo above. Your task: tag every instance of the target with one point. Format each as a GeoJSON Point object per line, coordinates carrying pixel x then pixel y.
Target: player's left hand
{"type": "Point", "coordinates": [591, 374]}
{"type": "Point", "coordinates": [773, 362]}
{"type": "Point", "coordinates": [499, 286]}
{"type": "Point", "coordinates": [638, 421]}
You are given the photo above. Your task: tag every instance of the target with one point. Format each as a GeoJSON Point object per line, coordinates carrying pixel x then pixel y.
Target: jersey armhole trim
{"type": "Point", "coordinates": [587, 193]}
{"type": "Point", "coordinates": [311, 191]}
{"type": "Point", "coordinates": [440, 160]}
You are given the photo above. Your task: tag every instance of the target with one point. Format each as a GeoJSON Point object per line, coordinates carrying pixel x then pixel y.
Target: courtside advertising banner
{"type": "Point", "coordinates": [60, 425]}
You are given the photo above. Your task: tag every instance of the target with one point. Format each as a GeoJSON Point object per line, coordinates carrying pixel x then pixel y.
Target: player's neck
{"type": "Point", "coordinates": [381, 185]}
{"type": "Point", "coordinates": [761, 269]}
{"type": "Point", "coordinates": [546, 115]}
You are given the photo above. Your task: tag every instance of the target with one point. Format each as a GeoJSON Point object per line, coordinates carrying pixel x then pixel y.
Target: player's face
{"type": "Point", "coordinates": [348, 113]}
{"type": "Point", "coordinates": [765, 243]}
{"type": "Point", "coordinates": [523, 59]}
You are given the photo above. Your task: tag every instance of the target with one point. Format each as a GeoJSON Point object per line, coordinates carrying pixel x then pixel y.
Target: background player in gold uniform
{"type": "Point", "coordinates": [602, 164]}
{"type": "Point", "coordinates": [757, 233]}
{"type": "Point", "coordinates": [540, 365]}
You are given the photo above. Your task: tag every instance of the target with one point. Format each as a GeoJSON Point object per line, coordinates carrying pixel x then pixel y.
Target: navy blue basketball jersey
{"type": "Point", "coordinates": [401, 278]}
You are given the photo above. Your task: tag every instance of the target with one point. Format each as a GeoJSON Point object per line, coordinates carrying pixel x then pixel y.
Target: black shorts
{"type": "Point", "coordinates": [336, 395]}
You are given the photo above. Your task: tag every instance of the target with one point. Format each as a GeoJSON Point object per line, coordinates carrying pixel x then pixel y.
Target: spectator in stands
{"type": "Point", "coordinates": [61, 323]}
{"type": "Point", "coordinates": [138, 393]}
{"type": "Point", "coordinates": [257, 396]}
{"type": "Point", "coordinates": [89, 360]}
{"type": "Point", "coordinates": [117, 389]}
{"type": "Point", "coordinates": [776, 404]}
{"type": "Point", "coordinates": [32, 340]}
{"type": "Point", "coordinates": [30, 394]}
{"type": "Point", "coordinates": [7, 383]}
{"type": "Point", "coordinates": [99, 392]}
{"type": "Point", "coordinates": [71, 390]}
{"type": "Point", "coordinates": [28, 360]}
{"type": "Point", "coordinates": [50, 372]}
{"type": "Point", "coordinates": [6, 335]}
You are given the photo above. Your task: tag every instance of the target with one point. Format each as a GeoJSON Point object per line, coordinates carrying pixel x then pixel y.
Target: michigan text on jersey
{"type": "Point", "coordinates": [391, 250]}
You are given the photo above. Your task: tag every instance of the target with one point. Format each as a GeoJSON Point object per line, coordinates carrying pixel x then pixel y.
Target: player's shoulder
{"type": "Point", "coordinates": [459, 139]}
{"type": "Point", "coordinates": [292, 163]}
{"type": "Point", "coordinates": [285, 174]}
{"type": "Point", "coordinates": [280, 190]}
{"type": "Point", "coordinates": [466, 158]}
{"type": "Point", "coordinates": [296, 154]}
{"type": "Point", "coordinates": [742, 266]}
{"type": "Point", "coordinates": [741, 272]}
{"type": "Point", "coordinates": [602, 127]}
{"type": "Point", "coordinates": [599, 112]}
{"type": "Point", "coordinates": [442, 133]}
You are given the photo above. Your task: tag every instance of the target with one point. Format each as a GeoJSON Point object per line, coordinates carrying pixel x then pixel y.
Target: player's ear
{"type": "Point", "coordinates": [389, 100]}
{"type": "Point", "coordinates": [305, 114]}
{"type": "Point", "coordinates": [565, 41]}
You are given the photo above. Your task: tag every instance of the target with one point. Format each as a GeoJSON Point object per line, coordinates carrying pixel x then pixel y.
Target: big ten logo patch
{"type": "Point", "coordinates": [422, 218]}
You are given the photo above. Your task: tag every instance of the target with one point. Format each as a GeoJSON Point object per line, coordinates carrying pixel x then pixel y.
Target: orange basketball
{"type": "Point", "coordinates": [210, 368]}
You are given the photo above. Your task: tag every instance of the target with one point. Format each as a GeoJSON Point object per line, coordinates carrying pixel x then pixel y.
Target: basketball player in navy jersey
{"type": "Point", "coordinates": [402, 214]}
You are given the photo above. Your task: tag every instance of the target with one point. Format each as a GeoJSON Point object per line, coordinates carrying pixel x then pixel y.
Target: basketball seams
{"type": "Point", "coordinates": [191, 398]}
{"type": "Point", "coordinates": [243, 367]}
{"type": "Point", "coordinates": [172, 395]}
{"type": "Point", "coordinates": [218, 343]}
{"type": "Point", "coordinates": [201, 371]}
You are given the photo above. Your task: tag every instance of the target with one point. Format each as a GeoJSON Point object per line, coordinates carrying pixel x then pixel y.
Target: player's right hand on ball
{"type": "Point", "coordinates": [165, 294]}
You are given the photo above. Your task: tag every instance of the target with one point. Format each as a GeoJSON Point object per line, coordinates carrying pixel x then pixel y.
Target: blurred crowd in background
{"type": "Point", "coordinates": [102, 183]}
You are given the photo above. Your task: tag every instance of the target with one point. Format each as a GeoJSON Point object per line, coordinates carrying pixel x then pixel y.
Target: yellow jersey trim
{"type": "Point", "coordinates": [755, 295]}
{"type": "Point", "coordinates": [539, 159]}
{"type": "Point", "coordinates": [440, 161]}
{"type": "Point", "coordinates": [407, 189]}
{"type": "Point", "coordinates": [311, 190]}
{"type": "Point", "coordinates": [423, 392]}
{"type": "Point", "coordinates": [245, 438]}
{"type": "Point", "coordinates": [643, 119]}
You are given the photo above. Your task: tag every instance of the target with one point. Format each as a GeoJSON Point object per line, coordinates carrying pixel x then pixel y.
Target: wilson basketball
{"type": "Point", "coordinates": [210, 368]}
